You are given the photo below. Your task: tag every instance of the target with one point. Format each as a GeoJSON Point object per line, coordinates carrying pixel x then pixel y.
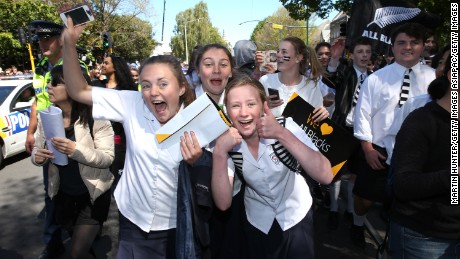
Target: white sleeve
{"type": "Point", "coordinates": [231, 167]}
{"type": "Point", "coordinates": [113, 105]}
{"type": "Point", "coordinates": [363, 111]}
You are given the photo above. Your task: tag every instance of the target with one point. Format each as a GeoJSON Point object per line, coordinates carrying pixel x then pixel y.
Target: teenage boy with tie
{"type": "Point", "coordinates": [381, 94]}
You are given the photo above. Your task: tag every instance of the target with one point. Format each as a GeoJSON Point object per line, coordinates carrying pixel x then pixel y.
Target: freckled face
{"type": "Point", "coordinates": [161, 91]}
{"type": "Point", "coordinates": [244, 108]}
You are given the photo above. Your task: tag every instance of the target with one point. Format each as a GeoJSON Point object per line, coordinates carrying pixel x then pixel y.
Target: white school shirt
{"type": "Point", "coordinates": [351, 115]}
{"type": "Point", "coordinates": [272, 190]}
{"type": "Point", "coordinates": [307, 89]}
{"type": "Point", "coordinates": [199, 91]}
{"type": "Point", "coordinates": [379, 99]}
{"type": "Point", "coordinates": [147, 191]}
{"type": "Point", "coordinates": [400, 115]}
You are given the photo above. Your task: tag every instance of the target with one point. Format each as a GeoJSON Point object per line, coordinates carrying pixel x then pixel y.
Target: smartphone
{"type": "Point", "coordinates": [269, 58]}
{"type": "Point", "coordinates": [80, 15]}
{"type": "Point", "coordinates": [272, 91]}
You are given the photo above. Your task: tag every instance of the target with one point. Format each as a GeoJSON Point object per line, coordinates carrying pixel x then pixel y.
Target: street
{"type": "Point", "coordinates": [21, 220]}
{"type": "Point", "coordinates": [21, 214]}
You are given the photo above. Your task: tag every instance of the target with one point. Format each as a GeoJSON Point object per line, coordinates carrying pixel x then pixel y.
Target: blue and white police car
{"type": "Point", "coordinates": [16, 98]}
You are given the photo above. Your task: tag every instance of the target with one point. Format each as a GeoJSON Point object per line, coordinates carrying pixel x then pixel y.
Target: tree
{"type": "Point", "coordinates": [300, 9]}
{"type": "Point", "coordinates": [199, 30]}
{"type": "Point", "coordinates": [132, 37]}
{"type": "Point", "coordinates": [133, 41]}
{"type": "Point", "coordinates": [266, 37]}
{"type": "Point", "coordinates": [14, 14]}
{"type": "Point", "coordinates": [120, 17]}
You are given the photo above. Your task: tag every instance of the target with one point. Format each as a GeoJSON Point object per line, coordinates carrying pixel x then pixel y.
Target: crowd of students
{"type": "Point", "coordinates": [252, 202]}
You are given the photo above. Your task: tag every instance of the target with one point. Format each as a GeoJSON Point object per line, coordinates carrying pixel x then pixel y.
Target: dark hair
{"type": "Point", "coordinates": [429, 33]}
{"type": "Point", "coordinates": [437, 57]}
{"type": "Point", "coordinates": [202, 50]}
{"type": "Point", "coordinates": [189, 95]}
{"type": "Point", "coordinates": [411, 29]}
{"type": "Point", "coordinates": [322, 44]}
{"type": "Point", "coordinates": [123, 74]}
{"type": "Point", "coordinates": [193, 57]}
{"type": "Point", "coordinates": [240, 79]}
{"type": "Point", "coordinates": [440, 86]}
{"type": "Point", "coordinates": [360, 41]}
{"type": "Point", "coordinates": [79, 110]}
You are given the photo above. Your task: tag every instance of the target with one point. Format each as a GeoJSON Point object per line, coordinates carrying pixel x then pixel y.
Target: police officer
{"type": "Point", "coordinates": [48, 36]}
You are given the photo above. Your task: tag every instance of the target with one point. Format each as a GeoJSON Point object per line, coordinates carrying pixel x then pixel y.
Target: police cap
{"type": "Point", "coordinates": [45, 29]}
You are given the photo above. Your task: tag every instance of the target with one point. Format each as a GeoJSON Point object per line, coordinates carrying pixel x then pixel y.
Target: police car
{"type": "Point", "coordinates": [16, 98]}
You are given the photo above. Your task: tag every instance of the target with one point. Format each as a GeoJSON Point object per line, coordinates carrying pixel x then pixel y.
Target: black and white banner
{"type": "Point", "coordinates": [376, 19]}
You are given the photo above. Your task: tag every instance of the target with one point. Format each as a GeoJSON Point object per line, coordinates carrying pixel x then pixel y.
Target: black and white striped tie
{"type": "Point", "coordinates": [358, 88]}
{"type": "Point", "coordinates": [405, 88]}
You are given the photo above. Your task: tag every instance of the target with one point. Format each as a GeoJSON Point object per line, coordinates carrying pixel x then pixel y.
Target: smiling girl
{"type": "Point", "coordinates": [277, 200]}
{"type": "Point", "coordinates": [146, 195]}
{"type": "Point", "coordinates": [214, 65]}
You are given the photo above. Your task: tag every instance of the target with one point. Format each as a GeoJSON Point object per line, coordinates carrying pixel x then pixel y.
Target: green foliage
{"type": "Point", "coordinates": [132, 36]}
{"type": "Point", "coordinates": [199, 31]}
{"type": "Point", "coordinates": [133, 41]}
{"type": "Point", "coordinates": [266, 37]}
{"type": "Point", "coordinates": [8, 43]}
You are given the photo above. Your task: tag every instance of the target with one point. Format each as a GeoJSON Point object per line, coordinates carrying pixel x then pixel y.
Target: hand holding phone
{"type": "Point", "coordinates": [80, 15]}
{"type": "Point", "coordinates": [273, 92]}
{"type": "Point", "coordinates": [269, 58]}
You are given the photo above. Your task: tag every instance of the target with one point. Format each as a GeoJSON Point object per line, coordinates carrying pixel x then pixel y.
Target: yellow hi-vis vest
{"type": "Point", "coordinates": [40, 82]}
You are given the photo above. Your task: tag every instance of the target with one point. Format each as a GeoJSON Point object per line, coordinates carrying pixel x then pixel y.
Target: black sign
{"type": "Point", "coordinates": [335, 143]}
{"type": "Point", "coordinates": [376, 19]}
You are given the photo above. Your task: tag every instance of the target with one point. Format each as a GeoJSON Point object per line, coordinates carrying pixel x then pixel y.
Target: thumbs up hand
{"type": "Point", "coordinates": [267, 125]}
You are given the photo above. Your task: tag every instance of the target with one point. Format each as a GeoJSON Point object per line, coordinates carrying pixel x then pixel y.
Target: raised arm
{"type": "Point", "coordinates": [313, 162]}
{"type": "Point", "coordinates": [76, 84]}
{"type": "Point", "coordinates": [221, 182]}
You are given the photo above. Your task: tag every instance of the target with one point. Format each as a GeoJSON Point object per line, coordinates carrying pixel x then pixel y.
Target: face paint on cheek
{"type": "Point", "coordinates": [286, 58]}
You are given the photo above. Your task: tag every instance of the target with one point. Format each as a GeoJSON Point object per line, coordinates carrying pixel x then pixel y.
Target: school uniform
{"type": "Point", "coordinates": [146, 195]}
{"type": "Point", "coordinates": [400, 115]}
{"type": "Point", "coordinates": [277, 202]}
{"type": "Point", "coordinates": [307, 89]}
{"type": "Point", "coordinates": [374, 114]}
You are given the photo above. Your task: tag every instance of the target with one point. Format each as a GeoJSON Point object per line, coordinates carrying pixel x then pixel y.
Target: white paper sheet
{"type": "Point", "coordinates": [53, 125]}
{"type": "Point", "coordinates": [202, 117]}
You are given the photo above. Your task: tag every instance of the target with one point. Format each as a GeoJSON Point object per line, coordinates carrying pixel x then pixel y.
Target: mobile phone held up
{"type": "Point", "coordinates": [80, 15]}
{"type": "Point", "coordinates": [272, 91]}
{"type": "Point", "coordinates": [269, 58]}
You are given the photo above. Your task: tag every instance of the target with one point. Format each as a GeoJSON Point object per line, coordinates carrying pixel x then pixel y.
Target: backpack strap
{"type": "Point", "coordinates": [281, 152]}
